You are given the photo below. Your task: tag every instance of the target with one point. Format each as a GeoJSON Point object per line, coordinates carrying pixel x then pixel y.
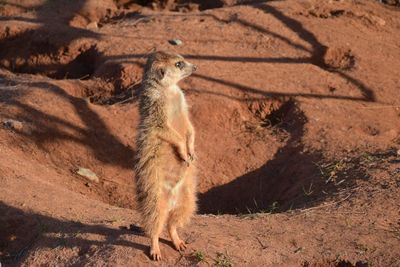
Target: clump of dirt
{"type": "Point", "coordinates": [334, 263]}
{"type": "Point", "coordinates": [47, 54]}
{"type": "Point", "coordinates": [91, 12]}
{"type": "Point", "coordinates": [121, 75]}
{"type": "Point", "coordinates": [391, 2]}
{"type": "Point", "coordinates": [178, 5]}
{"type": "Point", "coordinates": [11, 10]}
{"type": "Point", "coordinates": [269, 111]}
{"type": "Point", "coordinates": [101, 92]}
{"type": "Point", "coordinates": [81, 67]}
{"type": "Point", "coordinates": [129, 4]}
{"type": "Point", "coordinates": [339, 58]}
{"type": "Point", "coordinates": [113, 82]}
{"type": "Point", "coordinates": [324, 13]}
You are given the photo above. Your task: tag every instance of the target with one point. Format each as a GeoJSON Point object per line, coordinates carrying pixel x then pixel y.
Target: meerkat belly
{"type": "Point", "coordinates": [172, 192]}
{"type": "Point", "coordinates": [173, 177]}
{"type": "Point", "coordinates": [176, 109]}
{"type": "Point", "coordinates": [173, 167]}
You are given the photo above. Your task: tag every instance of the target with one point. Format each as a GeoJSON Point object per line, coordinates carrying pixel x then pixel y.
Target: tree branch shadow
{"type": "Point", "coordinates": [249, 184]}
{"type": "Point", "coordinates": [48, 39]}
{"type": "Point", "coordinates": [22, 231]}
{"type": "Point", "coordinates": [318, 49]}
{"type": "Point", "coordinates": [48, 128]}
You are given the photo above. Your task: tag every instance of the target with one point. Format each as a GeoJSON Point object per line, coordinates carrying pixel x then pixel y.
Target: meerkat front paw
{"type": "Point", "coordinates": [191, 154]}
{"type": "Point", "coordinates": [183, 154]}
{"type": "Point", "coordinates": [155, 254]}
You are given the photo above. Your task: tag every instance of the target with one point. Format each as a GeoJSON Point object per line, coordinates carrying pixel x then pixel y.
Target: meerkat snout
{"type": "Point", "coordinates": [168, 69]}
{"type": "Point", "coordinates": [186, 68]}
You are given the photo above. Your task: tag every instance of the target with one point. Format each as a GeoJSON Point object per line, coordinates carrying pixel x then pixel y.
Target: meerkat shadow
{"type": "Point", "coordinates": [38, 231]}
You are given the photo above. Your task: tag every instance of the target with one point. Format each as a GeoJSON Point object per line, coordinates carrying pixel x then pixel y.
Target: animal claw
{"type": "Point", "coordinates": [181, 246]}
{"type": "Point", "coordinates": [155, 255]}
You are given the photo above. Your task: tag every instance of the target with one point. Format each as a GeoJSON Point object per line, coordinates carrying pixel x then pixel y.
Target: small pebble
{"type": "Point", "coordinates": [88, 174]}
{"type": "Point", "coordinates": [92, 25]}
{"type": "Point", "coordinates": [13, 124]}
{"type": "Point", "coordinates": [175, 42]}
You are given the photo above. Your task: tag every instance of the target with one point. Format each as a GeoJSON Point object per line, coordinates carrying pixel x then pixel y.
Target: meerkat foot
{"type": "Point", "coordinates": [180, 245]}
{"type": "Point", "coordinates": [155, 254]}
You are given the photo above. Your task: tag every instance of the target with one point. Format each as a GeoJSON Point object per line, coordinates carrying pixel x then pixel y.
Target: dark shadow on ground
{"type": "Point", "coordinates": [48, 128]}
{"type": "Point", "coordinates": [259, 189]}
{"type": "Point", "coordinates": [22, 231]}
{"type": "Point", "coordinates": [55, 36]}
{"type": "Point", "coordinates": [25, 51]}
{"type": "Point", "coordinates": [291, 180]}
{"type": "Point", "coordinates": [264, 93]}
{"type": "Point", "coordinates": [318, 49]}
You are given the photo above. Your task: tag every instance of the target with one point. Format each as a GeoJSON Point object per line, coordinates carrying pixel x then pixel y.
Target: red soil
{"type": "Point", "coordinates": [297, 112]}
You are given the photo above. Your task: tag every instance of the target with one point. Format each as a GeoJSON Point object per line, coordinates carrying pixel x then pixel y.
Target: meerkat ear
{"type": "Point", "coordinates": [160, 72]}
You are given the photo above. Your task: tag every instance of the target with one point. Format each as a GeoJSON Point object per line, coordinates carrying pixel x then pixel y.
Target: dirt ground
{"type": "Point", "coordinates": [296, 105]}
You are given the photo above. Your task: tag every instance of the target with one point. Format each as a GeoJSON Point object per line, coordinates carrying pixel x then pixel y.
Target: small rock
{"type": "Point", "coordinates": [13, 124]}
{"type": "Point", "coordinates": [398, 152]}
{"type": "Point", "coordinates": [193, 7]}
{"type": "Point", "coordinates": [377, 20]}
{"type": "Point", "coordinates": [88, 174]}
{"type": "Point", "coordinates": [175, 42]}
{"type": "Point", "coordinates": [92, 25]}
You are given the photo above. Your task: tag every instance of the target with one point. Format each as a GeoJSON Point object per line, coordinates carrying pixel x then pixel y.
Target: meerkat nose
{"type": "Point", "coordinates": [194, 67]}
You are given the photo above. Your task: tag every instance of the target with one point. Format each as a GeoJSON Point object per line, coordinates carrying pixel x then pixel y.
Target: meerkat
{"type": "Point", "coordinates": [164, 169]}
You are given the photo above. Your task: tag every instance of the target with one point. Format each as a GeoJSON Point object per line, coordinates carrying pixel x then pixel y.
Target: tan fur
{"type": "Point", "coordinates": [165, 174]}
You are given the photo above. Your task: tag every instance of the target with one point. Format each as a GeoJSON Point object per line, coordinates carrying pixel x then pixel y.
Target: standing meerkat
{"type": "Point", "coordinates": [165, 174]}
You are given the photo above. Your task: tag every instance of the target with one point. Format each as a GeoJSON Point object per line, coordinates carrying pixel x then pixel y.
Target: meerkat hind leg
{"type": "Point", "coordinates": [178, 218]}
{"type": "Point", "coordinates": [155, 252]}
{"type": "Point", "coordinates": [178, 243]}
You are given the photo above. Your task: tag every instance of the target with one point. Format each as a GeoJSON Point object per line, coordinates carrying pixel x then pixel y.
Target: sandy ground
{"type": "Point", "coordinates": [296, 105]}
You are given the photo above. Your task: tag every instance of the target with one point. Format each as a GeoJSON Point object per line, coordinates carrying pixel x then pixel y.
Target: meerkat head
{"type": "Point", "coordinates": [167, 68]}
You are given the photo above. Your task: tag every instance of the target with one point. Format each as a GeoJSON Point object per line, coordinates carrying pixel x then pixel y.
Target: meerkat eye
{"type": "Point", "coordinates": [180, 64]}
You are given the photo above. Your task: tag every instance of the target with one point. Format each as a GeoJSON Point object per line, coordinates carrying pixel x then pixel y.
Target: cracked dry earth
{"type": "Point", "coordinates": [296, 105]}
